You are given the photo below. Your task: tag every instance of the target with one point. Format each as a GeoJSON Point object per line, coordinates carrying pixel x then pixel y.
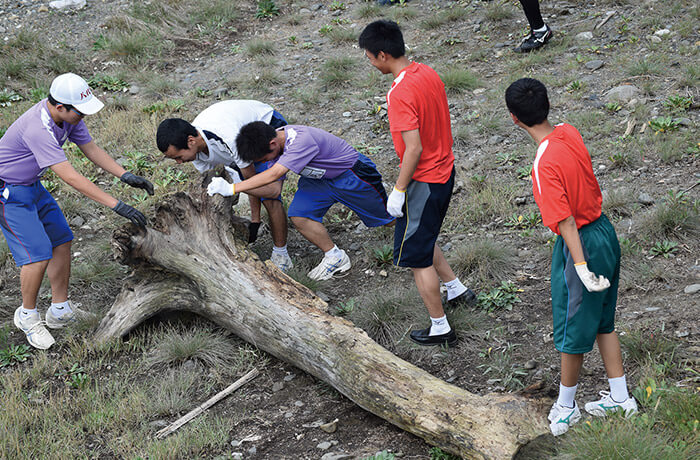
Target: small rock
{"type": "Point", "coordinates": [650, 309]}
{"type": "Point", "coordinates": [681, 334]}
{"type": "Point", "coordinates": [236, 456]}
{"type": "Point", "coordinates": [655, 39]}
{"type": "Point", "coordinates": [645, 199]}
{"type": "Point", "coordinates": [253, 450]}
{"type": "Point", "coordinates": [218, 93]}
{"type": "Point", "coordinates": [304, 11]}
{"type": "Point", "coordinates": [622, 93]}
{"type": "Point", "coordinates": [684, 121]}
{"type": "Point", "coordinates": [336, 456]}
{"type": "Point", "coordinates": [495, 139]}
{"type": "Point", "coordinates": [584, 37]}
{"type": "Point", "coordinates": [288, 414]}
{"type": "Point", "coordinates": [531, 364]}
{"type": "Point", "coordinates": [692, 289]}
{"type": "Point", "coordinates": [520, 201]}
{"type": "Point", "coordinates": [299, 403]}
{"type": "Point", "coordinates": [158, 424]}
{"type": "Point", "coordinates": [323, 296]}
{"type": "Point", "coordinates": [325, 445]}
{"type": "Point", "coordinates": [277, 386]}
{"type": "Point", "coordinates": [133, 89]}
{"type": "Point", "coordinates": [77, 221]}
{"type": "Point", "coordinates": [290, 377]}
{"type": "Point", "coordinates": [330, 427]}
{"type": "Point", "coordinates": [594, 64]}
{"type": "Point", "coordinates": [43, 9]}
{"type": "Point", "coordinates": [662, 32]}
{"type": "Point", "coordinates": [347, 114]}
{"type": "Point", "coordinates": [383, 273]}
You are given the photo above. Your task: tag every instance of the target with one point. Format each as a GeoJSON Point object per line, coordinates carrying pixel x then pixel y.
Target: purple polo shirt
{"type": "Point", "coordinates": [315, 153]}
{"type": "Point", "coordinates": [33, 143]}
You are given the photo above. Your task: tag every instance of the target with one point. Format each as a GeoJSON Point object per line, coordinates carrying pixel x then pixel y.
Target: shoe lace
{"type": "Point", "coordinates": [39, 326]}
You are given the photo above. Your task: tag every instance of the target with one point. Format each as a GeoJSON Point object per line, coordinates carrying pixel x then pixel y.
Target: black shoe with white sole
{"type": "Point", "coordinates": [534, 40]}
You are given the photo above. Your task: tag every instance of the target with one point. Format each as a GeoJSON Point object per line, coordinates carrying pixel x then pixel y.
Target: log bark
{"type": "Point", "coordinates": [195, 258]}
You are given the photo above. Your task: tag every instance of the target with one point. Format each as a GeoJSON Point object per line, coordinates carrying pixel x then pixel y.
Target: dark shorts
{"type": "Point", "coordinates": [359, 188]}
{"type": "Point", "coordinates": [578, 315]}
{"type": "Point", "coordinates": [32, 222]}
{"type": "Point", "coordinates": [417, 231]}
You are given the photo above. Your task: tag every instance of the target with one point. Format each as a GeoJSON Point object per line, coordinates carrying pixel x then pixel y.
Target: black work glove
{"type": "Point", "coordinates": [253, 228]}
{"type": "Point", "coordinates": [131, 213]}
{"type": "Point", "coordinates": [137, 181]}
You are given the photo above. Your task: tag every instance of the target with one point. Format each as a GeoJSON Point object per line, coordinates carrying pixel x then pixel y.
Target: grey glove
{"type": "Point", "coordinates": [137, 181]}
{"type": "Point", "coordinates": [131, 213]}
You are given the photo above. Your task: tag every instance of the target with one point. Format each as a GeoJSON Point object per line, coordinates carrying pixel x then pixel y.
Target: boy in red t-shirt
{"type": "Point", "coordinates": [583, 304]}
{"type": "Point", "coordinates": [419, 120]}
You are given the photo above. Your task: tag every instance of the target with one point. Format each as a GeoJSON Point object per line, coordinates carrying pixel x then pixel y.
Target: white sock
{"type": "Point", "coordinates": [439, 326]}
{"type": "Point", "coordinates": [541, 29]}
{"type": "Point", "coordinates": [28, 311]}
{"type": "Point", "coordinates": [280, 250]}
{"type": "Point", "coordinates": [566, 395]}
{"type": "Point", "coordinates": [61, 308]}
{"type": "Point", "coordinates": [455, 288]}
{"type": "Point", "coordinates": [618, 389]}
{"type": "Point", "coordinates": [334, 252]}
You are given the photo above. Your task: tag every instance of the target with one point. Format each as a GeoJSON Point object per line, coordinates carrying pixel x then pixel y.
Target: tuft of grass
{"type": "Point", "coordinates": [647, 347]}
{"type": "Point", "coordinates": [499, 366]}
{"type": "Point", "coordinates": [674, 217]}
{"type": "Point", "coordinates": [458, 80]}
{"type": "Point", "coordinates": [260, 47]}
{"type": "Point", "coordinates": [175, 345]}
{"type": "Point", "coordinates": [484, 260]}
{"type": "Point", "coordinates": [386, 316]}
{"type": "Point", "coordinates": [299, 273]}
{"type": "Point", "coordinates": [368, 10]}
{"type": "Point", "coordinates": [498, 11]}
{"type": "Point", "coordinates": [337, 72]}
{"type": "Point", "coordinates": [384, 254]}
{"type": "Point", "coordinates": [645, 66]}
{"type": "Point", "coordinates": [342, 35]}
{"type": "Point", "coordinates": [619, 203]}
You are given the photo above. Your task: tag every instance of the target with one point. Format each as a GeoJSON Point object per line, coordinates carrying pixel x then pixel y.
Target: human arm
{"type": "Point", "coordinates": [409, 163]}
{"type": "Point", "coordinates": [70, 176]}
{"type": "Point", "coordinates": [569, 232]}
{"type": "Point", "coordinates": [97, 155]}
{"type": "Point", "coordinates": [263, 185]}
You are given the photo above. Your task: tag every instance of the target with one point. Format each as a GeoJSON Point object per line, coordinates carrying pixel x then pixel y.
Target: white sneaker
{"type": "Point", "coordinates": [329, 266]}
{"type": "Point", "coordinates": [606, 404]}
{"type": "Point", "coordinates": [35, 330]}
{"type": "Point", "coordinates": [56, 320]}
{"type": "Point", "coordinates": [283, 261]}
{"type": "Point", "coordinates": [562, 417]}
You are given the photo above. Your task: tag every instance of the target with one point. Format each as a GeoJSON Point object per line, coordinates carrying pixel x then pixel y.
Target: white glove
{"type": "Point", "coordinates": [589, 279]}
{"type": "Point", "coordinates": [233, 175]}
{"type": "Point", "coordinates": [220, 186]}
{"type": "Point", "coordinates": [395, 202]}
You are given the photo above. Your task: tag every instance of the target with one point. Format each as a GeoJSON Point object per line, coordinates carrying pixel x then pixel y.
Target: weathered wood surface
{"type": "Point", "coordinates": [192, 260]}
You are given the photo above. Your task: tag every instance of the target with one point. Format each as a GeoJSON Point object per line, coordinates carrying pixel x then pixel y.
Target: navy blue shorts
{"type": "Point", "coordinates": [417, 231]}
{"type": "Point", "coordinates": [32, 222]}
{"type": "Point", "coordinates": [359, 188]}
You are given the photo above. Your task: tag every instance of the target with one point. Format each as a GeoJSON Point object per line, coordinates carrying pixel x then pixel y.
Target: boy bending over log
{"type": "Point", "coordinates": [331, 172]}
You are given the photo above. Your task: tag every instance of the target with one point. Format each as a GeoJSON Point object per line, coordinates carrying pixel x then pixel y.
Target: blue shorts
{"type": "Point", "coordinates": [416, 232]}
{"type": "Point", "coordinates": [359, 188]}
{"type": "Point", "coordinates": [32, 222]}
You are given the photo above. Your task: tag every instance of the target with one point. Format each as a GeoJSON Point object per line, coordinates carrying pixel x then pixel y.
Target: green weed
{"type": "Point", "coordinates": [7, 98]}
{"type": "Point", "coordinates": [384, 254]}
{"type": "Point", "coordinates": [267, 9]}
{"type": "Point", "coordinates": [14, 354]}
{"type": "Point", "coordinates": [108, 82]}
{"type": "Point", "coordinates": [345, 308]}
{"type": "Point", "coordinates": [507, 158]}
{"type": "Point", "coordinates": [678, 103]}
{"type": "Point", "coordinates": [664, 248]}
{"type": "Point", "coordinates": [575, 86]}
{"type": "Point", "coordinates": [663, 124]}
{"type": "Point", "coordinates": [501, 297]}
{"type": "Point", "coordinates": [337, 6]}
{"type": "Point", "coordinates": [500, 367]}
{"type": "Point", "coordinates": [530, 219]}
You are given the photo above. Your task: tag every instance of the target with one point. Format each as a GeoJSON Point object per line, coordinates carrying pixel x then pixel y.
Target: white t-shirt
{"type": "Point", "coordinates": [219, 125]}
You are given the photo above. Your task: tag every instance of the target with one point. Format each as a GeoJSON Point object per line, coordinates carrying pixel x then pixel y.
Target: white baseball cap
{"type": "Point", "coordinates": [70, 89]}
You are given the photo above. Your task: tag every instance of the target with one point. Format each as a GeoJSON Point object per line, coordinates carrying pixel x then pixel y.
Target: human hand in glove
{"type": "Point", "coordinates": [137, 181]}
{"type": "Point", "coordinates": [221, 186]}
{"type": "Point", "coordinates": [395, 202]}
{"type": "Point", "coordinates": [589, 279]}
{"type": "Point", "coordinates": [131, 213]}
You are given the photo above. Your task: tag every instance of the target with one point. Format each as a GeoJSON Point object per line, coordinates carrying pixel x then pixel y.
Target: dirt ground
{"type": "Point", "coordinates": [283, 407]}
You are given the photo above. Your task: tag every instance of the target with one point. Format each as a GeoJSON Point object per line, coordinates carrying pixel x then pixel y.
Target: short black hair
{"type": "Point", "coordinates": [253, 140]}
{"type": "Point", "coordinates": [384, 36]}
{"type": "Point", "coordinates": [54, 102]}
{"type": "Point", "coordinates": [174, 131]}
{"type": "Point", "coordinates": [527, 99]}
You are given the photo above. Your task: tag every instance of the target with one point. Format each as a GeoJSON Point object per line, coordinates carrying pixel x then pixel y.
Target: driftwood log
{"type": "Point", "coordinates": [194, 258]}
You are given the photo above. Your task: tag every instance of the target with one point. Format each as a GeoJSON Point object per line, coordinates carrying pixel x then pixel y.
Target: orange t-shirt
{"type": "Point", "coordinates": [563, 182]}
{"type": "Point", "coordinates": [417, 100]}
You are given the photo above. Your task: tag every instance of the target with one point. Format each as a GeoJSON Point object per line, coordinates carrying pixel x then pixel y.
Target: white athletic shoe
{"type": "Point", "coordinates": [55, 319]}
{"type": "Point", "coordinates": [35, 330]}
{"type": "Point", "coordinates": [329, 266]}
{"type": "Point", "coordinates": [283, 261]}
{"type": "Point", "coordinates": [606, 404]}
{"type": "Point", "coordinates": [562, 417]}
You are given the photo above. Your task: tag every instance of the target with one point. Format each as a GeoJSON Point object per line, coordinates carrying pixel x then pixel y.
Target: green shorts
{"type": "Point", "coordinates": [580, 315]}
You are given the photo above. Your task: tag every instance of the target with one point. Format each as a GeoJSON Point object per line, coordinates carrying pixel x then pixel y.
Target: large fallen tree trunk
{"type": "Point", "coordinates": [192, 260]}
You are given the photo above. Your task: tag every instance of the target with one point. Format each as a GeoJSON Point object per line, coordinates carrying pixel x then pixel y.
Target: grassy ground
{"type": "Point", "coordinates": [80, 400]}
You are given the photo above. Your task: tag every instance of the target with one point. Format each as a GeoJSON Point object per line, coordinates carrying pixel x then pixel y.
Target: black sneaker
{"type": "Point", "coordinates": [423, 337]}
{"type": "Point", "coordinates": [534, 40]}
{"type": "Point", "coordinates": [466, 298]}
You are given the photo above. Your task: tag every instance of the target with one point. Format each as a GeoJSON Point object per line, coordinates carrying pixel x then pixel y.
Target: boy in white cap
{"type": "Point", "coordinates": [33, 225]}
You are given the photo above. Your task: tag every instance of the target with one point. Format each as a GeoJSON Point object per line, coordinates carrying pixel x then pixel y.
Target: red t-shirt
{"type": "Point", "coordinates": [563, 182]}
{"type": "Point", "coordinates": [417, 100]}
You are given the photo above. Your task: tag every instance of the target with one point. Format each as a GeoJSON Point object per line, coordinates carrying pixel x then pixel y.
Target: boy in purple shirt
{"type": "Point", "coordinates": [34, 226]}
{"type": "Point", "coordinates": [331, 172]}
